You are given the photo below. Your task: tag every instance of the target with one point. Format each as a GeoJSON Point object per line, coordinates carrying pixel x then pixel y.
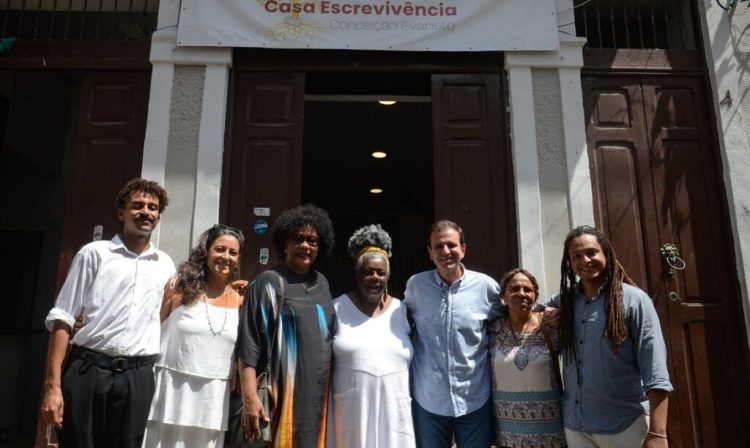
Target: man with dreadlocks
{"type": "Point", "coordinates": [615, 366]}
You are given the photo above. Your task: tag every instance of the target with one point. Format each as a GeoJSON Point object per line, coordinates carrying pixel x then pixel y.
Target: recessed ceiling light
{"type": "Point", "coordinates": [379, 155]}
{"type": "Point", "coordinates": [376, 190]}
{"type": "Point", "coordinates": [387, 102]}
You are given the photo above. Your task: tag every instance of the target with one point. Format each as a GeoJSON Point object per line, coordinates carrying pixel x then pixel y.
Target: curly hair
{"type": "Point", "coordinates": [510, 274]}
{"type": "Point", "coordinates": [307, 215]}
{"type": "Point", "coordinates": [191, 275]}
{"type": "Point", "coordinates": [370, 236]}
{"type": "Point", "coordinates": [141, 185]}
{"type": "Point", "coordinates": [614, 276]}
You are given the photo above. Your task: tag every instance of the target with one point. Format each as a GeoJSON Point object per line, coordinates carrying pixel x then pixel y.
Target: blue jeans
{"type": "Point", "coordinates": [473, 430]}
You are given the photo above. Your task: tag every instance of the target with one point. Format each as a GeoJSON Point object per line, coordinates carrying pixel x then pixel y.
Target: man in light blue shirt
{"type": "Point", "coordinates": [451, 383]}
{"type": "Point", "coordinates": [615, 359]}
{"type": "Point", "coordinates": [608, 404]}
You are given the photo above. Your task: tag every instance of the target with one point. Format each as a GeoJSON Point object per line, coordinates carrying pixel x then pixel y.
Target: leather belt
{"type": "Point", "coordinates": [113, 363]}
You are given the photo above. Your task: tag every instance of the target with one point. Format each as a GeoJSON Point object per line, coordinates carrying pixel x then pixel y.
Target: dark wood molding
{"type": "Point", "coordinates": [651, 61]}
{"type": "Point", "coordinates": [59, 54]}
{"type": "Point", "coordinates": [248, 59]}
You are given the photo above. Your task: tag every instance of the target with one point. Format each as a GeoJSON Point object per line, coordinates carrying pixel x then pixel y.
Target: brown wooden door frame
{"type": "Point", "coordinates": [92, 184]}
{"type": "Point", "coordinates": [78, 55]}
{"type": "Point", "coordinates": [473, 171]}
{"type": "Point", "coordinates": [263, 60]}
{"type": "Point", "coordinates": [263, 163]}
{"type": "Point", "coordinates": [474, 66]}
{"type": "Point", "coordinates": [641, 84]}
{"type": "Point", "coordinates": [89, 58]}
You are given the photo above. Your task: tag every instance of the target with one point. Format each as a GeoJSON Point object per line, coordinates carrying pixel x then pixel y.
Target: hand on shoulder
{"type": "Point", "coordinates": [240, 286]}
{"type": "Point", "coordinates": [170, 300]}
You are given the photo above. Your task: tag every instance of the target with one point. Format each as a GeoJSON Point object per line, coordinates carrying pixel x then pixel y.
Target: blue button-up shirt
{"type": "Point", "coordinates": [610, 392]}
{"type": "Point", "coordinates": [450, 371]}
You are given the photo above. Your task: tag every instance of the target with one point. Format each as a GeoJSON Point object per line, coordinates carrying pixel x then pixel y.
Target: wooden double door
{"type": "Point", "coordinates": [658, 195]}
{"type": "Point", "coordinates": [107, 129]}
{"type": "Point", "coordinates": [472, 184]}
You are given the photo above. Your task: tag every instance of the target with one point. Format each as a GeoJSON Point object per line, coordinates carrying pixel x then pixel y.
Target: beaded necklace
{"type": "Point", "coordinates": [208, 317]}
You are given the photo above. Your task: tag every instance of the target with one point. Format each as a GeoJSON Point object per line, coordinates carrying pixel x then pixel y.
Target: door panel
{"type": "Point", "coordinates": [656, 181]}
{"type": "Point", "coordinates": [472, 180]}
{"type": "Point", "coordinates": [617, 146]}
{"type": "Point", "coordinates": [110, 129]}
{"type": "Point", "coordinates": [264, 163]}
{"type": "Point", "coordinates": [703, 320]}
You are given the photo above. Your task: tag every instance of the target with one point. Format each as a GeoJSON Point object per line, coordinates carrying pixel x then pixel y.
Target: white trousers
{"type": "Point", "coordinates": [631, 437]}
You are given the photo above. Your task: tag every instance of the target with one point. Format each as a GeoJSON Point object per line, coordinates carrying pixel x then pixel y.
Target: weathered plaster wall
{"type": "Point", "coordinates": [182, 159]}
{"type": "Point", "coordinates": [184, 142]}
{"type": "Point", "coordinates": [553, 179]}
{"type": "Point", "coordinates": [727, 47]}
{"type": "Point", "coordinates": [550, 162]}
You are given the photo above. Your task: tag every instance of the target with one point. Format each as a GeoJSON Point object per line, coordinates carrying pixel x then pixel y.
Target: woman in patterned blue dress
{"type": "Point", "coordinates": [526, 393]}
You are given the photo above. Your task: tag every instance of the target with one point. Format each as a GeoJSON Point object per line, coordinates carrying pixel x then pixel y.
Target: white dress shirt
{"type": "Point", "coordinates": [118, 293]}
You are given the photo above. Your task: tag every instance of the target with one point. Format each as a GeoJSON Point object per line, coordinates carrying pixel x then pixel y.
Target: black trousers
{"type": "Point", "coordinates": [104, 407]}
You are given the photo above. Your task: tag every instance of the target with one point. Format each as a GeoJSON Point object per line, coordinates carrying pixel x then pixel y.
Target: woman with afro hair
{"type": "Point", "coordinates": [294, 328]}
{"type": "Point", "coordinates": [371, 406]}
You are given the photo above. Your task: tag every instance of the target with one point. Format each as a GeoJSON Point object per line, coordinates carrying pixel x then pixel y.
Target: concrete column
{"type": "Point", "coordinates": [195, 190]}
{"type": "Point", "coordinates": [580, 198]}
{"type": "Point", "coordinates": [525, 168]}
{"type": "Point", "coordinates": [540, 217]}
{"type": "Point", "coordinates": [211, 147]}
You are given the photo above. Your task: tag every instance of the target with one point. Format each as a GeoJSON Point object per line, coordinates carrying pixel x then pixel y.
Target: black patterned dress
{"type": "Point", "coordinates": [301, 353]}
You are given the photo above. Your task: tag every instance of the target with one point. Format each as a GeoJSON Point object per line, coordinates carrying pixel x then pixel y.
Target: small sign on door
{"type": "Point", "coordinates": [98, 232]}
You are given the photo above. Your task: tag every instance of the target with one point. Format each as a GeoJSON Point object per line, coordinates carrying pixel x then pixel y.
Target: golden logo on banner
{"type": "Point", "coordinates": [292, 27]}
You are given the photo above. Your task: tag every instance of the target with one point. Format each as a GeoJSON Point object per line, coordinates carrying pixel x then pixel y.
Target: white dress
{"type": "Point", "coordinates": [191, 402]}
{"type": "Point", "coordinates": [370, 405]}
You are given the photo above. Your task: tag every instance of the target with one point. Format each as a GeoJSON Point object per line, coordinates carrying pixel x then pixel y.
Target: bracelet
{"type": "Point", "coordinates": [656, 434]}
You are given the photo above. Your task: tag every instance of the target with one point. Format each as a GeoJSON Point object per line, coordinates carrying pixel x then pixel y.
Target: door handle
{"type": "Point", "coordinates": [671, 260]}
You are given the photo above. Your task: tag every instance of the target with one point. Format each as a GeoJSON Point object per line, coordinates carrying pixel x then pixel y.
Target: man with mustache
{"type": "Point", "coordinates": [102, 395]}
{"type": "Point", "coordinates": [451, 383]}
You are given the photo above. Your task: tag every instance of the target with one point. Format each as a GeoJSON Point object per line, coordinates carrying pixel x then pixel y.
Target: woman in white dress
{"type": "Point", "coordinates": [371, 405]}
{"type": "Point", "coordinates": [199, 328]}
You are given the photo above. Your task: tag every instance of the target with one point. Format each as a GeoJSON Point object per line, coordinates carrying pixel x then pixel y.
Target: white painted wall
{"type": "Point", "coordinates": [553, 175]}
{"type": "Point", "coordinates": [727, 47]}
{"type": "Point", "coordinates": [550, 162]}
{"type": "Point", "coordinates": [188, 88]}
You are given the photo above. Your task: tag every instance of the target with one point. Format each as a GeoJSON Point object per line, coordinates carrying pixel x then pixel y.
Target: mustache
{"type": "Point", "coordinates": [144, 217]}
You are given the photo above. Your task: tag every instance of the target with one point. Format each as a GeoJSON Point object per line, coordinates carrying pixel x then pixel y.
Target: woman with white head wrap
{"type": "Point", "coordinates": [371, 405]}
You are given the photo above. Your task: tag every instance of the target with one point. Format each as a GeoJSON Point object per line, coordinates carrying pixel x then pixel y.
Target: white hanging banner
{"type": "Point", "coordinates": [419, 25]}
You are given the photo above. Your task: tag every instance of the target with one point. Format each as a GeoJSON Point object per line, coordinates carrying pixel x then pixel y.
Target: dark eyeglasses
{"type": "Point", "coordinates": [311, 241]}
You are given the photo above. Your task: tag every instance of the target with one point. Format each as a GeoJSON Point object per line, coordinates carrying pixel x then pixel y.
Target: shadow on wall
{"type": "Point", "coordinates": [739, 34]}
